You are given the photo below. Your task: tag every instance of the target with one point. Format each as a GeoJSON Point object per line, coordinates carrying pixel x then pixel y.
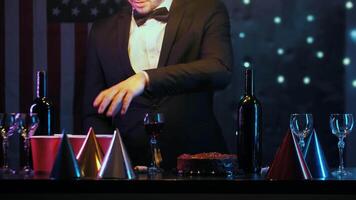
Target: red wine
{"type": "Point", "coordinates": [154, 129]}
{"type": "Point", "coordinates": [43, 106]}
{"type": "Point", "coordinates": [249, 129]}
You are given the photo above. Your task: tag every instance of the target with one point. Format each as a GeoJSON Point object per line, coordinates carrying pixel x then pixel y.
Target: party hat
{"type": "Point", "coordinates": [314, 157]}
{"type": "Point", "coordinates": [289, 162]}
{"type": "Point", "coordinates": [117, 163]}
{"type": "Point", "coordinates": [90, 156]}
{"type": "Point", "coordinates": [65, 166]}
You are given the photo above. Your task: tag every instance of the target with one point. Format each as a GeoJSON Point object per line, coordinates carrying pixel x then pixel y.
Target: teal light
{"type": "Point", "coordinates": [277, 20]}
{"type": "Point", "coordinates": [280, 79]}
{"type": "Point", "coordinates": [310, 40]}
{"type": "Point", "coordinates": [280, 51]}
{"type": "Point", "coordinates": [310, 18]}
{"type": "Point", "coordinates": [320, 54]}
{"type": "Point", "coordinates": [306, 80]}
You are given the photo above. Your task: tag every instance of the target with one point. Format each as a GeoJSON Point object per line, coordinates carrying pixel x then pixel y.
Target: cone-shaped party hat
{"type": "Point", "coordinates": [289, 162]}
{"type": "Point", "coordinates": [314, 157]}
{"type": "Point", "coordinates": [117, 163]}
{"type": "Point", "coordinates": [90, 156]}
{"type": "Point", "coordinates": [65, 166]}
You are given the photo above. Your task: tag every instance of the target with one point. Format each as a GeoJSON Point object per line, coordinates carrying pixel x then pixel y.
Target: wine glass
{"type": "Point", "coordinates": [153, 123]}
{"type": "Point", "coordinates": [301, 125]}
{"type": "Point", "coordinates": [27, 125]}
{"type": "Point", "coordinates": [7, 129]}
{"type": "Point", "coordinates": [341, 126]}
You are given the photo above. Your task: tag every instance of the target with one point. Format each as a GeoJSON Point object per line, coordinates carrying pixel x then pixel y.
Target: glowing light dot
{"type": "Point", "coordinates": [280, 79]}
{"type": "Point", "coordinates": [349, 5]}
{"type": "Point", "coordinates": [306, 80]}
{"type": "Point", "coordinates": [247, 64]}
{"type": "Point", "coordinates": [346, 61]}
{"type": "Point", "coordinates": [310, 40]}
{"type": "Point", "coordinates": [246, 2]}
{"type": "Point", "coordinates": [242, 35]}
{"type": "Point", "coordinates": [320, 54]}
{"type": "Point", "coordinates": [354, 83]}
{"type": "Point", "coordinates": [277, 20]}
{"type": "Point", "coordinates": [280, 51]}
{"type": "Point", "coordinates": [353, 35]}
{"type": "Point", "coordinates": [310, 18]}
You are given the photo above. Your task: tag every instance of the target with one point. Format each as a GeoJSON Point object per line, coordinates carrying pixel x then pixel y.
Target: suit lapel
{"type": "Point", "coordinates": [175, 18]}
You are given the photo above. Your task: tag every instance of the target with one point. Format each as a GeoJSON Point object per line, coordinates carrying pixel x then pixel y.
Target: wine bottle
{"type": "Point", "coordinates": [249, 129]}
{"type": "Point", "coordinates": [43, 106]}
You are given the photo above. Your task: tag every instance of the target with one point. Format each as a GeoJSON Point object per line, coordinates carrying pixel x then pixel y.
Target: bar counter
{"type": "Point", "coordinates": [171, 184]}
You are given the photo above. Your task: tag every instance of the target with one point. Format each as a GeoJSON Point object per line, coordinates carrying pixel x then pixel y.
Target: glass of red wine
{"type": "Point", "coordinates": [154, 123]}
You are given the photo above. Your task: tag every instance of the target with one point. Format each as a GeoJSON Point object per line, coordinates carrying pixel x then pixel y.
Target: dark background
{"type": "Point", "coordinates": [291, 75]}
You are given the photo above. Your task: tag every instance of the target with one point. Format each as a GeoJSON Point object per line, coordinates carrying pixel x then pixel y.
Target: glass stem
{"type": "Point", "coordinates": [27, 152]}
{"type": "Point", "coordinates": [155, 151]}
{"type": "Point", "coordinates": [5, 145]}
{"type": "Point", "coordinates": [341, 146]}
{"type": "Point", "coordinates": [301, 143]}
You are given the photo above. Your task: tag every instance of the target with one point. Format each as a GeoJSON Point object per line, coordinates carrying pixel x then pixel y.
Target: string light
{"type": "Point", "coordinates": [246, 2]}
{"type": "Point", "coordinates": [280, 79]}
{"type": "Point", "coordinates": [280, 51]}
{"type": "Point", "coordinates": [310, 40]}
{"type": "Point", "coordinates": [247, 64]}
{"type": "Point", "coordinates": [353, 35]}
{"type": "Point", "coordinates": [306, 80]}
{"type": "Point", "coordinates": [320, 54]}
{"type": "Point", "coordinates": [346, 61]}
{"type": "Point", "coordinates": [310, 18]}
{"type": "Point", "coordinates": [242, 35]}
{"type": "Point", "coordinates": [354, 83]}
{"type": "Point", "coordinates": [277, 20]}
{"type": "Point", "coordinates": [349, 5]}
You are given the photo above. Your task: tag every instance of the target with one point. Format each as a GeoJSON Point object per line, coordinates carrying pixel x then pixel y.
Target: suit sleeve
{"type": "Point", "coordinates": [94, 83]}
{"type": "Point", "coordinates": [213, 69]}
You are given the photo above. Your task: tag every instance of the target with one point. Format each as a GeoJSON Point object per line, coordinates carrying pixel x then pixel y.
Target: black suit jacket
{"type": "Point", "coordinates": [195, 60]}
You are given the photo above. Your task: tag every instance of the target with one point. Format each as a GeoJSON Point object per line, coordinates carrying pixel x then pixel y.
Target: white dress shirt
{"type": "Point", "coordinates": [145, 42]}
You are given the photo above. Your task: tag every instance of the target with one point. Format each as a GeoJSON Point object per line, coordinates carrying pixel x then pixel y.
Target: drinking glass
{"type": "Point", "coordinates": [153, 123]}
{"type": "Point", "coordinates": [27, 125]}
{"type": "Point", "coordinates": [301, 125]}
{"type": "Point", "coordinates": [7, 129]}
{"type": "Point", "coordinates": [341, 126]}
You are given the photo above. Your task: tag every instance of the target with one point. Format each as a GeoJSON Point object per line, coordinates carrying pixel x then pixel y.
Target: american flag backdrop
{"type": "Point", "coordinates": [47, 35]}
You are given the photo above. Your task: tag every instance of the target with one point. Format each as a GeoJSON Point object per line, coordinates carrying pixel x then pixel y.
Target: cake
{"type": "Point", "coordinates": [207, 164]}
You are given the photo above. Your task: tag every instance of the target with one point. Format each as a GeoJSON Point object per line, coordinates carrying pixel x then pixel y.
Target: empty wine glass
{"type": "Point", "coordinates": [7, 129]}
{"type": "Point", "coordinates": [301, 125]}
{"type": "Point", "coordinates": [153, 123]}
{"type": "Point", "coordinates": [27, 125]}
{"type": "Point", "coordinates": [341, 126]}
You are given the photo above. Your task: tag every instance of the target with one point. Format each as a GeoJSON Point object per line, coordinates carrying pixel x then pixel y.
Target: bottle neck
{"type": "Point", "coordinates": [41, 84]}
{"type": "Point", "coordinates": [249, 87]}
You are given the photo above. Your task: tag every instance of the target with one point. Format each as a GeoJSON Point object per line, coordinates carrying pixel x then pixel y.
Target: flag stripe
{"type": "Point", "coordinates": [81, 35]}
{"type": "Point", "coordinates": [26, 55]}
{"type": "Point", "coordinates": [2, 57]}
{"type": "Point", "coordinates": [54, 70]}
{"type": "Point", "coordinates": [39, 37]}
{"type": "Point", "coordinates": [67, 81]}
{"type": "Point", "coordinates": [12, 55]}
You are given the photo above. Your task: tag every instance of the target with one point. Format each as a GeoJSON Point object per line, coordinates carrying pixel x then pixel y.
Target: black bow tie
{"type": "Point", "coordinates": [160, 14]}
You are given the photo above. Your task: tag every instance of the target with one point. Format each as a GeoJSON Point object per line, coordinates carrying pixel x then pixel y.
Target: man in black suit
{"type": "Point", "coordinates": [164, 56]}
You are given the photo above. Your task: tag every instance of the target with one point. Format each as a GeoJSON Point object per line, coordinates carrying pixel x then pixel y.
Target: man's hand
{"type": "Point", "coordinates": [120, 95]}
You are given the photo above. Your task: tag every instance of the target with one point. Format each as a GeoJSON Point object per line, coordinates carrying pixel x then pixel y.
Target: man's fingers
{"type": "Point", "coordinates": [126, 102]}
{"type": "Point", "coordinates": [107, 100]}
{"type": "Point", "coordinates": [99, 99]}
{"type": "Point", "coordinates": [116, 104]}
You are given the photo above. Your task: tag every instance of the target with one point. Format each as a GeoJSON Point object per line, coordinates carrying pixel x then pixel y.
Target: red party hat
{"type": "Point", "coordinates": [289, 163]}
